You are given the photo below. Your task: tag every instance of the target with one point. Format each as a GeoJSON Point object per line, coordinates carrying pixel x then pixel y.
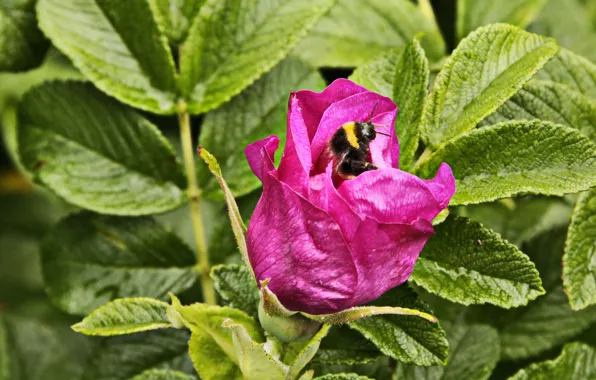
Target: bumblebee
{"type": "Point", "coordinates": [349, 147]}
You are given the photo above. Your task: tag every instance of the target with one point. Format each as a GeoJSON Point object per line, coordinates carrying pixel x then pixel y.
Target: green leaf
{"type": "Point", "coordinates": [514, 158]}
{"type": "Point", "coordinates": [409, 339]}
{"type": "Point", "coordinates": [474, 14]}
{"type": "Point", "coordinates": [572, 70]}
{"type": "Point", "coordinates": [486, 69]}
{"type": "Point", "coordinates": [530, 217]}
{"type": "Point", "coordinates": [409, 92]}
{"type": "Point", "coordinates": [235, 218]}
{"type": "Point", "coordinates": [210, 342]}
{"type": "Point", "coordinates": [543, 324]}
{"type": "Point", "coordinates": [237, 287]}
{"type": "Point", "coordinates": [470, 264]}
{"type": "Point", "coordinates": [579, 261]}
{"type": "Point", "coordinates": [550, 101]}
{"type": "Point", "coordinates": [342, 376]}
{"type": "Point", "coordinates": [22, 44]}
{"type": "Point", "coordinates": [164, 374]}
{"type": "Point", "coordinates": [569, 23]}
{"type": "Point", "coordinates": [259, 111]}
{"type": "Point", "coordinates": [233, 42]}
{"type": "Point", "coordinates": [474, 354]}
{"type": "Point", "coordinates": [176, 17]}
{"type": "Point", "coordinates": [355, 31]}
{"type": "Point", "coordinates": [96, 153]}
{"type": "Point", "coordinates": [345, 346]}
{"type": "Point", "coordinates": [125, 316]}
{"type": "Point", "coordinates": [40, 345]}
{"type": "Point", "coordinates": [211, 362]}
{"type": "Point", "coordinates": [90, 259]}
{"type": "Point", "coordinates": [5, 354]}
{"type": "Point", "coordinates": [576, 362]}
{"type": "Point", "coordinates": [253, 359]}
{"type": "Point", "coordinates": [299, 354]}
{"type": "Point", "coordinates": [118, 46]}
{"type": "Point", "coordinates": [378, 74]}
{"type": "Point", "coordinates": [123, 357]}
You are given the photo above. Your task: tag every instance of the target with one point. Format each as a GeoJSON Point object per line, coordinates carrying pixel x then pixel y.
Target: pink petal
{"type": "Point", "coordinates": [385, 255]}
{"type": "Point", "coordinates": [395, 196]}
{"type": "Point", "coordinates": [295, 164]}
{"type": "Point", "coordinates": [354, 108]}
{"type": "Point", "coordinates": [443, 185]}
{"type": "Point", "coordinates": [261, 153]}
{"type": "Point", "coordinates": [325, 196]}
{"type": "Point", "coordinates": [301, 250]}
{"type": "Point", "coordinates": [313, 104]}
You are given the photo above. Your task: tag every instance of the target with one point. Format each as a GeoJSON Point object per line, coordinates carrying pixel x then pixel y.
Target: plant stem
{"type": "Point", "coordinates": [194, 196]}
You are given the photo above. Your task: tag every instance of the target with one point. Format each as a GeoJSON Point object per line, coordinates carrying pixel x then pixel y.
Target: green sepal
{"type": "Point", "coordinates": [285, 325]}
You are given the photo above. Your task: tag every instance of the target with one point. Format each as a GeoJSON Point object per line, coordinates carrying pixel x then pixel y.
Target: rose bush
{"type": "Point", "coordinates": [327, 244]}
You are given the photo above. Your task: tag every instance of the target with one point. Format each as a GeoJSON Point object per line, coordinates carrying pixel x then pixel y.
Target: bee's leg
{"type": "Point", "coordinates": [359, 167]}
{"type": "Point", "coordinates": [370, 166]}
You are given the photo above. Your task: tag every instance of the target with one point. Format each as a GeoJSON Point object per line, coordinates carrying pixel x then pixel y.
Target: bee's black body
{"type": "Point", "coordinates": [350, 147]}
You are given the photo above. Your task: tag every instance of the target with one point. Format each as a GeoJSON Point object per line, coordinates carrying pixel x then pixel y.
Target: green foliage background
{"type": "Point", "coordinates": [92, 185]}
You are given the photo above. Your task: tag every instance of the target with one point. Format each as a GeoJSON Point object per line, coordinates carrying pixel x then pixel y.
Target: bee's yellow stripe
{"type": "Point", "coordinates": [350, 129]}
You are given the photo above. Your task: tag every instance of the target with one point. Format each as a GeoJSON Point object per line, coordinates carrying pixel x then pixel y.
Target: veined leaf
{"type": "Point", "coordinates": [549, 101]}
{"type": "Point", "coordinates": [579, 261]}
{"type": "Point", "coordinates": [233, 42]}
{"type": "Point", "coordinates": [237, 287]}
{"type": "Point", "coordinates": [164, 374]}
{"type": "Point", "coordinates": [125, 316]}
{"type": "Point", "coordinates": [176, 17]}
{"type": "Point", "coordinates": [473, 14]}
{"type": "Point", "coordinates": [469, 264]}
{"type": "Point", "coordinates": [572, 70]}
{"type": "Point", "coordinates": [474, 354]}
{"type": "Point", "coordinates": [40, 346]}
{"type": "Point", "coordinates": [96, 153]}
{"type": "Point", "coordinates": [345, 346]}
{"type": "Point", "coordinates": [409, 339]}
{"type": "Point", "coordinates": [342, 376]}
{"type": "Point", "coordinates": [355, 31]}
{"type": "Point", "coordinates": [253, 359]}
{"type": "Point", "coordinates": [210, 342]}
{"type": "Point", "coordinates": [118, 46]}
{"type": "Point", "coordinates": [487, 68]}
{"type": "Point", "coordinates": [123, 357]}
{"type": "Point", "coordinates": [205, 351]}
{"type": "Point", "coordinates": [530, 217]}
{"type": "Point", "coordinates": [90, 259]}
{"type": "Point", "coordinates": [409, 92]}
{"type": "Point", "coordinates": [574, 31]}
{"type": "Point", "coordinates": [22, 44]}
{"type": "Point", "coordinates": [257, 112]}
{"type": "Point", "coordinates": [576, 362]}
{"type": "Point", "coordinates": [543, 324]}
{"type": "Point", "coordinates": [378, 74]}
{"type": "Point", "coordinates": [516, 157]}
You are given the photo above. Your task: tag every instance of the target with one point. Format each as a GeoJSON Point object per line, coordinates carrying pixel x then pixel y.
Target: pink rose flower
{"type": "Point", "coordinates": [328, 244]}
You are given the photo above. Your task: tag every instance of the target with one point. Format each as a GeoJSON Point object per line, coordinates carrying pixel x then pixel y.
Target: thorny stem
{"type": "Point", "coordinates": [194, 196]}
